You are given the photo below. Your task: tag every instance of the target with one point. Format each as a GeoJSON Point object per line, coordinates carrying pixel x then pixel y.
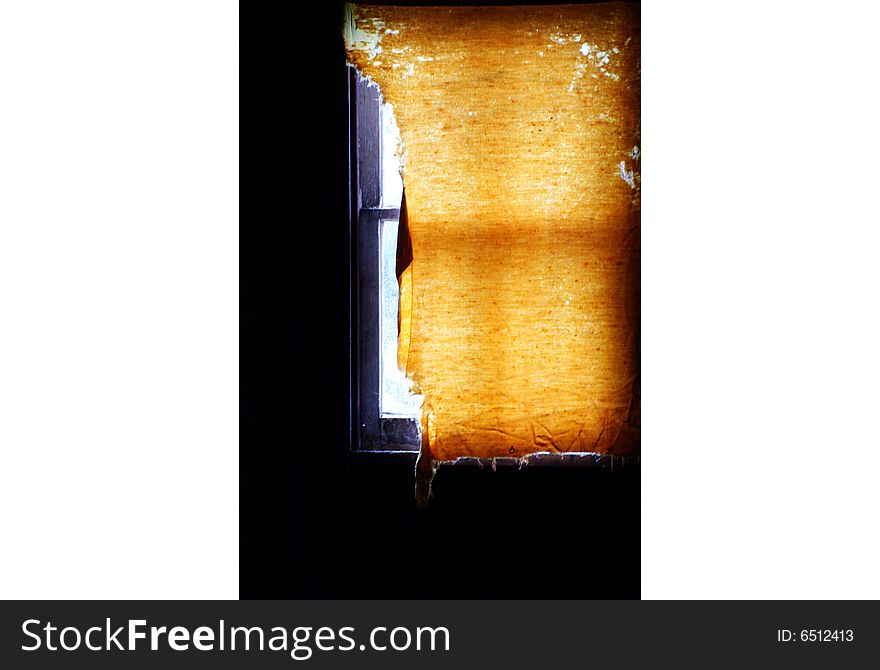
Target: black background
{"type": "Point", "coordinates": [314, 523]}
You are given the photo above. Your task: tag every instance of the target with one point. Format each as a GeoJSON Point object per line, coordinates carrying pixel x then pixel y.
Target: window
{"type": "Point", "coordinates": [384, 411]}
{"type": "Point", "coordinates": [523, 319]}
{"type": "Point", "coordinates": [385, 414]}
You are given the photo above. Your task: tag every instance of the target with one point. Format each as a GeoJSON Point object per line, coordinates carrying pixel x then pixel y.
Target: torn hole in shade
{"type": "Point", "coordinates": [397, 396]}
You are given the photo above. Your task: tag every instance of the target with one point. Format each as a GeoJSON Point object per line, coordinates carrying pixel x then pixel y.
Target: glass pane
{"type": "Point", "coordinates": [392, 184]}
{"type": "Point", "coordinates": [395, 399]}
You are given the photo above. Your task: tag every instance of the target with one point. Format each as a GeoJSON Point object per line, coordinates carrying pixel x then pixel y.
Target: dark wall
{"type": "Point", "coordinates": [314, 522]}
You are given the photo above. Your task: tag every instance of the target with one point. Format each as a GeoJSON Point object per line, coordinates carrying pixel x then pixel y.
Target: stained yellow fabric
{"type": "Point", "coordinates": [520, 128]}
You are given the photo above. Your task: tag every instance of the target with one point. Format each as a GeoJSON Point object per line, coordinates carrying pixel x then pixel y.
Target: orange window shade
{"type": "Point", "coordinates": [520, 307]}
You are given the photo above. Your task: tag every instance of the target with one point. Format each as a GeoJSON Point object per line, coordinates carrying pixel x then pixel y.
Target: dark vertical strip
{"type": "Point", "coordinates": [368, 109]}
{"type": "Point", "coordinates": [353, 265]}
{"type": "Point", "coordinates": [369, 326]}
{"type": "Point", "coordinates": [368, 165]}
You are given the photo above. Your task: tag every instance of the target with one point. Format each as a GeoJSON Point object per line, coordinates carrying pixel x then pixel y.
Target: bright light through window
{"type": "Point", "coordinates": [392, 184]}
{"type": "Point", "coordinates": [396, 399]}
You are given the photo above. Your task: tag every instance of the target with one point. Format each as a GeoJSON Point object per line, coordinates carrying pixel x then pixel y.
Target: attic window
{"type": "Point", "coordinates": [521, 128]}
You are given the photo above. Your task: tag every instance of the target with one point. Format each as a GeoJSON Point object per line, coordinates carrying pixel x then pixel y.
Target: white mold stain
{"type": "Point", "coordinates": [600, 57]}
{"type": "Point", "coordinates": [579, 70]}
{"type": "Point", "coordinates": [565, 38]}
{"type": "Point", "coordinates": [627, 175]}
{"type": "Point", "coordinates": [364, 34]}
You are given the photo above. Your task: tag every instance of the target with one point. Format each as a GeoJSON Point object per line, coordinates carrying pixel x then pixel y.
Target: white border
{"type": "Point", "coordinates": [761, 325]}
{"type": "Point", "coordinates": [119, 299]}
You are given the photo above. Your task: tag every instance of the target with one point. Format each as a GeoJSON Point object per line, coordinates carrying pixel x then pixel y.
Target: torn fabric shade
{"type": "Point", "coordinates": [520, 307]}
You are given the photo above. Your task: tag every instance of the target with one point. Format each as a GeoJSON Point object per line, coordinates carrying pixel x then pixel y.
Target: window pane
{"type": "Point", "coordinates": [396, 399]}
{"type": "Point", "coordinates": [392, 184]}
